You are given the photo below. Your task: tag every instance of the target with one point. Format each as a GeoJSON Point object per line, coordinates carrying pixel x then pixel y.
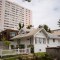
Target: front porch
{"type": "Point", "coordinates": [22, 43]}
{"type": "Point", "coordinates": [18, 46]}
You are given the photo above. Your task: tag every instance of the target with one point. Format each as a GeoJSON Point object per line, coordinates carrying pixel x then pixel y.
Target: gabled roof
{"type": "Point", "coordinates": [31, 33]}
{"type": "Point", "coordinates": [34, 31]}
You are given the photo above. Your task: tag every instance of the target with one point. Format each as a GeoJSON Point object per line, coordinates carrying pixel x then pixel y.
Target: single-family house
{"type": "Point", "coordinates": [39, 38]}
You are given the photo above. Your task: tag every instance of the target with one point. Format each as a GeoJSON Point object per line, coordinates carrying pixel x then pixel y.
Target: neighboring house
{"type": "Point", "coordinates": [7, 34]}
{"type": "Point", "coordinates": [39, 38]}
{"type": "Point", "coordinates": [56, 32]}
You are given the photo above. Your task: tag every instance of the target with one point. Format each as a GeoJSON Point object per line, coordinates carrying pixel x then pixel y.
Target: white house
{"type": "Point", "coordinates": [39, 38]}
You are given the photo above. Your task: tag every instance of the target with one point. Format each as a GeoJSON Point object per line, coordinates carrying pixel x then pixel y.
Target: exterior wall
{"type": "Point", "coordinates": [12, 14]}
{"type": "Point", "coordinates": [26, 41]}
{"type": "Point", "coordinates": [53, 44]}
{"type": "Point", "coordinates": [54, 52]}
{"type": "Point", "coordinates": [8, 34]}
{"type": "Point", "coordinates": [40, 47]}
{"type": "Point", "coordinates": [58, 42]}
{"type": "Point", "coordinates": [1, 45]}
{"type": "Point", "coordinates": [13, 43]}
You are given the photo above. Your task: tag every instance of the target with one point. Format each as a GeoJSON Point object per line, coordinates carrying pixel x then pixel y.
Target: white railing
{"type": "Point", "coordinates": [14, 51]}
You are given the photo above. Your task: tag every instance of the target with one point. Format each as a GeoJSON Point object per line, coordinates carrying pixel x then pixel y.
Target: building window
{"type": "Point", "coordinates": [12, 34]}
{"type": "Point", "coordinates": [48, 41]}
{"type": "Point", "coordinates": [40, 40]}
{"type": "Point", "coordinates": [53, 40]}
{"type": "Point", "coordinates": [21, 46]}
{"type": "Point", "coordinates": [44, 41]}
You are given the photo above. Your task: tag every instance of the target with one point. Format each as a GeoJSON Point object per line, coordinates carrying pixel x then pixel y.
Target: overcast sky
{"type": "Point", "coordinates": [43, 11]}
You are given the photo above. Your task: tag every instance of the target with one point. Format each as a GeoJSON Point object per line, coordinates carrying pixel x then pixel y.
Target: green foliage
{"type": "Point", "coordinates": [40, 26]}
{"type": "Point", "coordinates": [29, 27]}
{"type": "Point", "coordinates": [49, 30]}
{"type": "Point", "coordinates": [6, 42]}
{"type": "Point", "coordinates": [11, 58]}
{"type": "Point", "coordinates": [32, 48]}
{"type": "Point", "coordinates": [28, 0]}
{"type": "Point", "coordinates": [40, 54]}
{"type": "Point", "coordinates": [35, 56]}
{"type": "Point", "coordinates": [45, 27]}
{"type": "Point", "coordinates": [21, 26]}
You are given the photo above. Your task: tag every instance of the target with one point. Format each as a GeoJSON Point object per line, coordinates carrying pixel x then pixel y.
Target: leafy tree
{"type": "Point", "coordinates": [40, 26]}
{"type": "Point", "coordinates": [28, 0]}
{"type": "Point", "coordinates": [29, 26]}
{"type": "Point", "coordinates": [22, 25]}
{"type": "Point", "coordinates": [49, 30]}
{"type": "Point", "coordinates": [6, 42]}
{"type": "Point", "coordinates": [45, 27]}
{"type": "Point", "coordinates": [19, 26]}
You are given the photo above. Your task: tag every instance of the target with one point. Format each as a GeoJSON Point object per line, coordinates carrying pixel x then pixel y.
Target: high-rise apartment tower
{"type": "Point", "coordinates": [11, 14]}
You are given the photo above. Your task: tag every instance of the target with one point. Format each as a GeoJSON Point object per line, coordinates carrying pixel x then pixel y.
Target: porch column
{"type": "Point", "coordinates": [9, 47]}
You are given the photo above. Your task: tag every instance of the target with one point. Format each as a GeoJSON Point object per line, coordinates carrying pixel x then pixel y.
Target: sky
{"type": "Point", "coordinates": [43, 11]}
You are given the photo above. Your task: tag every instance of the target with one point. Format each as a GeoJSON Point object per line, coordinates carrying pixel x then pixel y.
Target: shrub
{"type": "Point", "coordinates": [42, 56]}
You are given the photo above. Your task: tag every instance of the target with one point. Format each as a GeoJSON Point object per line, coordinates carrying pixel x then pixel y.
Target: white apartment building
{"type": "Point", "coordinates": [12, 14]}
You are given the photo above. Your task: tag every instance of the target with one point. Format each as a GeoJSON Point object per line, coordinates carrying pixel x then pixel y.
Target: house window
{"type": "Point", "coordinates": [35, 40]}
{"type": "Point", "coordinates": [40, 40]}
{"type": "Point", "coordinates": [44, 41]}
{"type": "Point", "coordinates": [12, 34]}
{"type": "Point", "coordinates": [12, 47]}
{"type": "Point", "coordinates": [48, 41]}
{"type": "Point", "coordinates": [53, 40]}
{"type": "Point", "coordinates": [21, 46]}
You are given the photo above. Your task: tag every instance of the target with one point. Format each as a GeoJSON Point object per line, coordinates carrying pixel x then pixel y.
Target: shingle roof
{"type": "Point", "coordinates": [31, 33]}
{"type": "Point", "coordinates": [53, 36]}
{"type": "Point", "coordinates": [34, 31]}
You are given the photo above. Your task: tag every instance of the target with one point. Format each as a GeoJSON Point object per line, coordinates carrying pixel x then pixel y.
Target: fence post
{"type": "Point", "coordinates": [18, 51]}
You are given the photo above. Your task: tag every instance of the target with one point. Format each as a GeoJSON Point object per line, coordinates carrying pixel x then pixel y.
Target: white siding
{"type": "Point", "coordinates": [25, 41]}
{"type": "Point", "coordinates": [53, 44]}
{"type": "Point", "coordinates": [13, 43]}
{"type": "Point", "coordinates": [40, 47]}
